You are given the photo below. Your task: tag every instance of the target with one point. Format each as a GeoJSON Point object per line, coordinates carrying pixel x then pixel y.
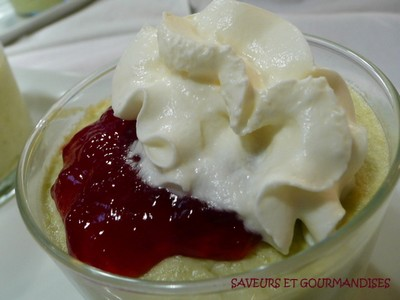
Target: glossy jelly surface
{"type": "Point", "coordinates": [116, 222]}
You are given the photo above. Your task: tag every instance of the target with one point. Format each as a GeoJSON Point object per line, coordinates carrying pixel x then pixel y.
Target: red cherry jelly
{"type": "Point", "coordinates": [116, 222]}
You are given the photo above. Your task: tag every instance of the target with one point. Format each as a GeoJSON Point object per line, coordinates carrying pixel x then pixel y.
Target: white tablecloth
{"type": "Point", "coordinates": [91, 37]}
{"type": "Point", "coordinates": [97, 35]}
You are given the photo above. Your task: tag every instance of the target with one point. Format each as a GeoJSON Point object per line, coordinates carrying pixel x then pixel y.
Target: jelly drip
{"type": "Point", "coordinates": [116, 222]}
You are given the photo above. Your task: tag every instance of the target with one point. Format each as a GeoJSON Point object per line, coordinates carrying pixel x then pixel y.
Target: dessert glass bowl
{"type": "Point", "coordinates": [344, 254]}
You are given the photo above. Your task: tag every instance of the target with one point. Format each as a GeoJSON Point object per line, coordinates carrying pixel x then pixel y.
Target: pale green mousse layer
{"type": "Point", "coordinates": [179, 268]}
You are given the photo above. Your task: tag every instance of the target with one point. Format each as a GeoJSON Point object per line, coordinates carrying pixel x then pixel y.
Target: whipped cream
{"type": "Point", "coordinates": [231, 109]}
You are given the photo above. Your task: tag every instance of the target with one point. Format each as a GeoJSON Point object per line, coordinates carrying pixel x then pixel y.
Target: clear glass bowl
{"type": "Point", "coordinates": [344, 254]}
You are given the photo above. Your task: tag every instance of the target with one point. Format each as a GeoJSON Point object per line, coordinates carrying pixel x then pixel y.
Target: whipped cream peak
{"type": "Point", "coordinates": [231, 109]}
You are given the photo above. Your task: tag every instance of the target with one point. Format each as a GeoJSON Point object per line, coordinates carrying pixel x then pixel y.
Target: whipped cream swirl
{"type": "Point", "coordinates": [231, 109]}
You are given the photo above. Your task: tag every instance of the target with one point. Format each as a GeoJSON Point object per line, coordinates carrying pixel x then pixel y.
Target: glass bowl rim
{"type": "Point", "coordinates": [214, 284]}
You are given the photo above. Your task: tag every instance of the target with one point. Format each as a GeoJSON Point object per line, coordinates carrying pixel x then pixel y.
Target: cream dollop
{"type": "Point", "coordinates": [231, 109]}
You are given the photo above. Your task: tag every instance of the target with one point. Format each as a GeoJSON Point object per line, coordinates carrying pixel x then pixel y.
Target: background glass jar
{"type": "Point", "coordinates": [15, 126]}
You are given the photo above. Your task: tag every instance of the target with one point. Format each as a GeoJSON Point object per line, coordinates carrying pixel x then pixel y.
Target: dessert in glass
{"type": "Point", "coordinates": [223, 157]}
{"type": "Point", "coordinates": [15, 127]}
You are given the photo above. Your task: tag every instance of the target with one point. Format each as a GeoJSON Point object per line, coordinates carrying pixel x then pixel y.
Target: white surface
{"type": "Point", "coordinates": [90, 38]}
{"type": "Point", "coordinates": [85, 41]}
{"type": "Point", "coordinates": [13, 26]}
{"type": "Point", "coordinates": [41, 89]}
